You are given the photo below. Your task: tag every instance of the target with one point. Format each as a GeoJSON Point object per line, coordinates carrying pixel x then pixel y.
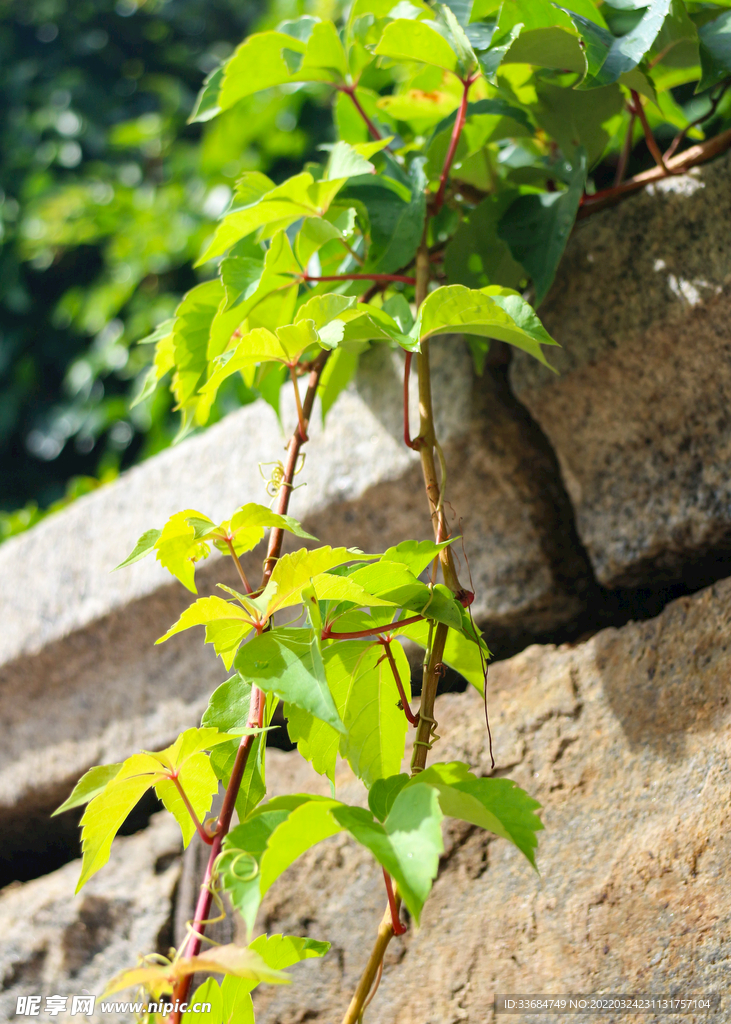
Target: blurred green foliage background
{"type": "Point", "coordinates": [106, 195]}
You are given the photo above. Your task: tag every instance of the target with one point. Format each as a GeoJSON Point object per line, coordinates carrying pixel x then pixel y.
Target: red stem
{"type": "Point", "coordinates": [300, 413]}
{"type": "Point", "coordinates": [362, 277]}
{"type": "Point", "coordinates": [375, 631]}
{"type": "Point", "coordinates": [189, 807]}
{"type": "Point", "coordinates": [398, 927]}
{"type": "Point", "coordinates": [407, 426]}
{"type": "Point", "coordinates": [410, 716]}
{"type": "Point", "coordinates": [349, 90]}
{"type": "Point", "coordinates": [239, 566]}
{"type": "Point", "coordinates": [454, 142]}
{"type": "Point", "coordinates": [649, 137]}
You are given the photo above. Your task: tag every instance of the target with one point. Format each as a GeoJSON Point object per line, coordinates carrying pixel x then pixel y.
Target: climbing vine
{"type": "Point", "coordinates": [465, 134]}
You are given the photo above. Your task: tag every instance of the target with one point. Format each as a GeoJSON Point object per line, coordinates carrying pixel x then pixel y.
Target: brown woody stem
{"type": "Point", "coordinates": [257, 707]}
{"type": "Point", "coordinates": [385, 934]}
{"type": "Point", "coordinates": [676, 165]}
{"type": "Point", "coordinates": [427, 443]}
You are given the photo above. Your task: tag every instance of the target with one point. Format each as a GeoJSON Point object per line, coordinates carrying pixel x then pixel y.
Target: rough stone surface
{"type": "Point", "coordinates": [639, 415]}
{"type": "Point", "coordinates": [625, 741]}
{"type": "Point", "coordinates": [55, 943]}
{"type": "Point", "coordinates": [78, 641]}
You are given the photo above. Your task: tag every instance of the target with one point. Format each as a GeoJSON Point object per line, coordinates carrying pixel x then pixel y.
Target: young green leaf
{"type": "Point", "coordinates": [417, 41]}
{"type": "Point", "coordinates": [227, 625]}
{"type": "Point", "coordinates": [294, 571]}
{"type": "Point", "coordinates": [89, 786]}
{"type": "Point", "coordinates": [283, 951]}
{"type": "Point", "coordinates": [143, 547]}
{"type": "Point", "coordinates": [416, 554]}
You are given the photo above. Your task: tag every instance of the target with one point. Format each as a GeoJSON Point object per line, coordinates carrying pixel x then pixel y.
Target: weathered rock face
{"type": "Point", "coordinates": [639, 414]}
{"type": "Point", "coordinates": [81, 681]}
{"type": "Point", "coordinates": [625, 740]}
{"type": "Point", "coordinates": [56, 943]}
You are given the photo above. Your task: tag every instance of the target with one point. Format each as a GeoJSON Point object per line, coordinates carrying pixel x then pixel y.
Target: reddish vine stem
{"type": "Point", "coordinates": [382, 278]}
{"type": "Point", "coordinates": [239, 566]}
{"type": "Point", "coordinates": [189, 808]}
{"type": "Point", "coordinates": [649, 137]}
{"type": "Point", "coordinates": [181, 989]}
{"type": "Point", "coordinates": [411, 718]}
{"type": "Point", "coordinates": [349, 90]}
{"type": "Point", "coordinates": [453, 142]}
{"type": "Point", "coordinates": [358, 634]}
{"type": "Point", "coordinates": [398, 927]}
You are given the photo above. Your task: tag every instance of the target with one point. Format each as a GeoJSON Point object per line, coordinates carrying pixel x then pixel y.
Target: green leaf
{"type": "Point", "coordinates": [715, 51]}
{"type": "Point", "coordinates": [206, 105]}
{"type": "Point", "coordinates": [346, 162]}
{"type": "Point", "coordinates": [417, 41]}
{"type": "Point", "coordinates": [282, 951]}
{"type": "Point", "coordinates": [375, 725]}
{"type": "Point", "coordinates": [416, 554]}
{"type": "Point", "coordinates": [300, 196]}
{"type": "Point", "coordinates": [258, 850]}
{"type": "Point", "coordinates": [396, 224]}
{"type": "Point", "coordinates": [209, 992]}
{"type": "Point", "coordinates": [143, 547]}
{"type": "Point", "coordinates": [497, 805]}
{"type": "Point", "coordinates": [408, 844]}
{"type": "Point", "coordinates": [383, 792]}
{"type": "Point", "coordinates": [475, 256]}
{"type": "Point", "coordinates": [537, 228]}
{"type": "Point", "coordinates": [628, 50]}
{"type": "Point", "coordinates": [542, 35]}
{"type": "Point", "coordinates": [282, 662]}
{"type": "Point", "coordinates": [89, 785]}
{"type": "Point", "coordinates": [579, 119]}
{"type": "Point", "coordinates": [456, 309]}
{"type": "Point", "coordinates": [257, 64]}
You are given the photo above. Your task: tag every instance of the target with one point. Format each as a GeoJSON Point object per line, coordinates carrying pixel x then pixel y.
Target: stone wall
{"type": "Point", "coordinates": [586, 500]}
